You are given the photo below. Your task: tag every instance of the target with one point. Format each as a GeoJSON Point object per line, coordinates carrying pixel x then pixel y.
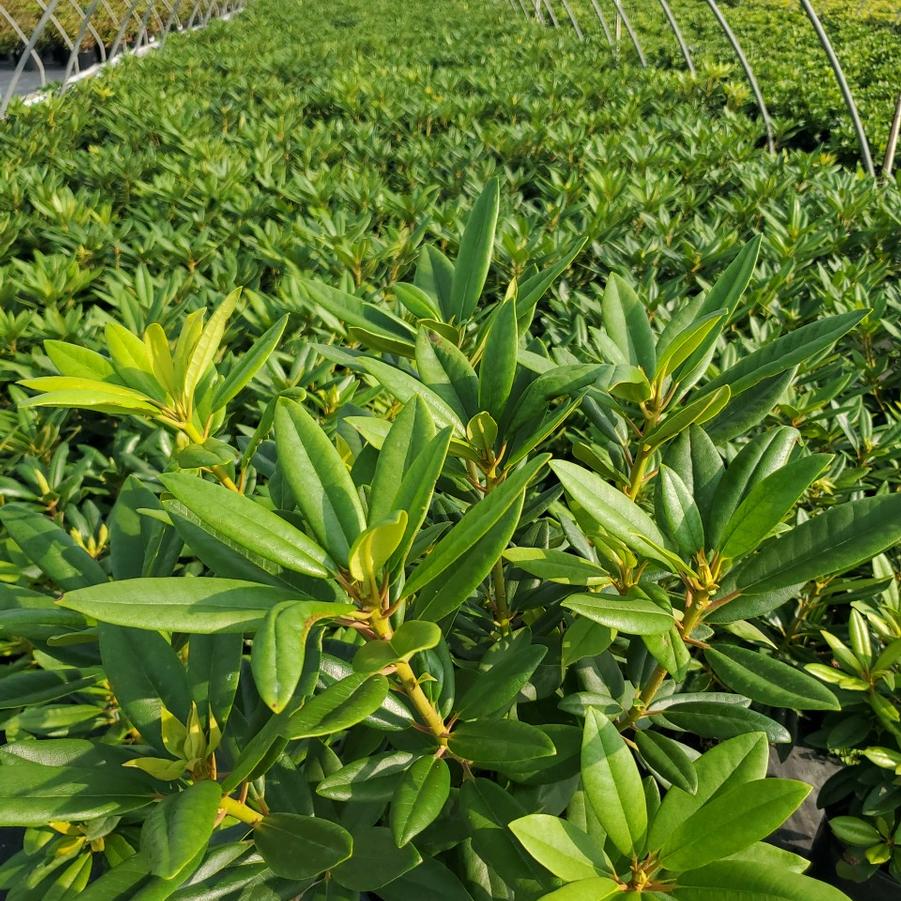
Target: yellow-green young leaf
{"type": "Point", "coordinates": [191, 330]}
{"type": "Point", "coordinates": [300, 847]}
{"type": "Point", "coordinates": [279, 647]}
{"type": "Point", "coordinates": [683, 346]}
{"type": "Point", "coordinates": [768, 680]}
{"type": "Point", "coordinates": [374, 546]}
{"type": "Point", "coordinates": [207, 346]}
{"type": "Point", "coordinates": [174, 732]}
{"type": "Point", "coordinates": [498, 367]}
{"type": "Point", "coordinates": [597, 889]}
{"type": "Point", "coordinates": [132, 361]}
{"type": "Point", "coordinates": [481, 431]}
{"type": "Point", "coordinates": [410, 638]}
{"type": "Point", "coordinates": [161, 357]}
{"type": "Point", "coordinates": [179, 827]}
{"type": "Point", "coordinates": [160, 768]}
{"type": "Point", "coordinates": [419, 798]}
{"type": "Point", "coordinates": [564, 849]}
{"type": "Point", "coordinates": [86, 393]}
{"type": "Point", "coordinates": [79, 362]}
{"type": "Point", "coordinates": [612, 783]}
{"type": "Point", "coordinates": [474, 258]}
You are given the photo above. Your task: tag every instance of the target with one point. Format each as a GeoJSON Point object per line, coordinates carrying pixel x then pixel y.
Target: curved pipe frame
{"type": "Point", "coordinates": [674, 26]}
{"type": "Point", "coordinates": [631, 32]}
{"type": "Point", "coordinates": [865, 156]}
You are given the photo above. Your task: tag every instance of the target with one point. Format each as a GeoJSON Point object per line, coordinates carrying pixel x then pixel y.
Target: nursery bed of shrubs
{"type": "Point", "coordinates": [439, 460]}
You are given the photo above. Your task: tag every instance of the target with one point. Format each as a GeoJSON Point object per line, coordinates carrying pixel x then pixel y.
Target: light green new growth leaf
{"type": "Point", "coordinates": [562, 848]}
{"type": "Point", "coordinates": [207, 346]}
{"type": "Point", "coordinates": [374, 546]}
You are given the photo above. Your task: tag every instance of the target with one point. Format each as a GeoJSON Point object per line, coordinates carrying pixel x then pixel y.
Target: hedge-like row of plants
{"type": "Point", "coordinates": [798, 85]}
{"type": "Point", "coordinates": [441, 472]}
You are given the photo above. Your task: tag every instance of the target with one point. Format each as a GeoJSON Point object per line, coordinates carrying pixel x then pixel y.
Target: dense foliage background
{"type": "Point", "coordinates": [324, 145]}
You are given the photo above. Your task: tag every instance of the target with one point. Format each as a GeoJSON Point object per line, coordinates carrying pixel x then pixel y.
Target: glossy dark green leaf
{"type": "Point", "coordinates": [300, 847]}
{"type": "Point", "coordinates": [767, 502]}
{"type": "Point", "coordinates": [375, 861]}
{"type": "Point", "coordinates": [192, 605]}
{"type": "Point", "coordinates": [339, 707]}
{"type": "Point", "coordinates": [37, 686]}
{"type": "Point", "coordinates": [447, 371]}
{"type": "Point", "coordinates": [710, 719]}
{"type": "Point", "coordinates": [767, 680]}
{"type": "Point", "coordinates": [556, 566]}
{"type": "Point", "coordinates": [431, 879]}
{"type": "Point", "coordinates": [667, 758]}
{"type": "Point", "coordinates": [419, 798]}
{"type": "Point", "coordinates": [626, 322]}
{"type": "Point", "coordinates": [279, 647]}
{"type": "Point", "coordinates": [495, 689]}
{"type": "Point", "coordinates": [633, 615]}
{"type": "Point", "coordinates": [678, 513]}
{"type": "Point", "coordinates": [732, 822]}
{"type": "Point", "coordinates": [249, 364]}
{"type": "Point", "coordinates": [145, 674]}
{"type": "Point", "coordinates": [499, 742]}
{"type": "Point", "coordinates": [474, 257]}
{"type": "Point", "coordinates": [241, 522]}
{"type": "Point", "coordinates": [612, 783]}
{"type": "Point", "coordinates": [179, 828]}
{"type": "Point", "coordinates": [51, 549]}
{"type": "Point", "coordinates": [372, 778]}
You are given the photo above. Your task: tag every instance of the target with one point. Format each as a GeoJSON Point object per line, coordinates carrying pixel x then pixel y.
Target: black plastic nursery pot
{"type": "Point", "coordinates": [827, 851]}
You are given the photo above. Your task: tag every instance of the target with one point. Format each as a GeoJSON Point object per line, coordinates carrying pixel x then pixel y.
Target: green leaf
{"type": "Point", "coordinates": [687, 343]}
{"type": "Point", "coordinates": [499, 742]}
{"type": "Point", "coordinates": [668, 759]}
{"type": "Point", "coordinates": [179, 828]}
{"type": "Point", "coordinates": [373, 547]}
{"type": "Point", "coordinates": [833, 541]}
{"type": "Point", "coordinates": [597, 889]}
{"type": "Point", "coordinates": [696, 412]}
{"type": "Point", "coordinates": [669, 650]}
{"type": "Point", "coordinates": [495, 689]}
{"type": "Point", "coordinates": [192, 605]}
{"type": "Point", "coordinates": [50, 548]}
{"type": "Point", "coordinates": [498, 367]}
{"type": "Point", "coordinates": [474, 257]}
{"type": "Point", "coordinates": [585, 638]}
{"type": "Point", "coordinates": [431, 879]}
{"type": "Point", "coordinates": [358, 314]}
{"type": "Point", "coordinates": [419, 302]}
{"type": "Point", "coordinates": [372, 778]}
{"type": "Point", "coordinates": [300, 847]}
{"type": "Point", "coordinates": [339, 707]}
{"type": "Point", "coordinates": [752, 882]}
{"type": "Point", "coordinates": [626, 322]}
{"type": "Point", "coordinates": [478, 520]}
{"type": "Point", "coordinates": [319, 480]}
{"type": "Point", "coordinates": [562, 848]}
{"type": "Point", "coordinates": [419, 798]}
{"type": "Point", "coordinates": [732, 822]}
{"type": "Point", "coordinates": [767, 503]}
{"type": "Point", "coordinates": [759, 458]}
{"type": "Point", "coordinates": [710, 719]}
{"type": "Point", "coordinates": [238, 521]}
{"type": "Point", "coordinates": [410, 638]}
{"type": "Point", "coordinates": [678, 512]}
{"type": "Point", "coordinates": [132, 362]}
{"type": "Point", "coordinates": [249, 364]}
{"type": "Point", "coordinates": [447, 372]}
{"type": "Point", "coordinates": [214, 667]}
{"type": "Point", "coordinates": [375, 861]}
{"type": "Point", "coordinates": [612, 783]}
{"type": "Point", "coordinates": [33, 795]}
{"type": "Point", "coordinates": [784, 352]}
{"type": "Point", "coordinates": [768, 680]}
{"type": "Point", "coordinates": [145, 674]}
{"type": "Point", "coordinates": [611, 509]}
{"type": "Point", "coordinates": [435, 275]}
{"type": "Point", "coordinates": [556, 566]}
{"type": "Point", "coordinates": [722, 768]}
{"type": "Point", "coordinates": [22, 689]}
{"type": "Point", "coordinates": [532, 289]}
{"type": "Point", "coordinates": [633, 615]}
{"type": "Point", "coordinates": [279, 647]}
